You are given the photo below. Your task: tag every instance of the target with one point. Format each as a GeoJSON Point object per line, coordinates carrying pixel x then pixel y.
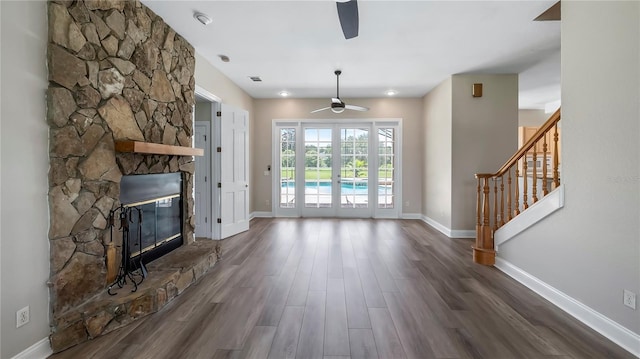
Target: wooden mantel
{"type": "Point", "coordinates": [157, 149]}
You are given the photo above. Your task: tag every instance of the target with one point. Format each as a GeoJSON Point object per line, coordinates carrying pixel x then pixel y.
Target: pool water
{"type": "Point", "coordinates": [346, 188]}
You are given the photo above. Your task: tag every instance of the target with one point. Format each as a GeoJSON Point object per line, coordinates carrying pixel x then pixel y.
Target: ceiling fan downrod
{"type": "Point", "coordinates": [337, 105]}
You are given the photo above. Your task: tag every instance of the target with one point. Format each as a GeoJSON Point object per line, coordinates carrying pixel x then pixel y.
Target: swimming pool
{"type": "Point", "coordinates": [346, 187]}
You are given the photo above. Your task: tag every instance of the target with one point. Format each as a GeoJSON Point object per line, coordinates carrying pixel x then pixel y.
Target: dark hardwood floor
{"type": "Point", "coordinates": [350, 288]}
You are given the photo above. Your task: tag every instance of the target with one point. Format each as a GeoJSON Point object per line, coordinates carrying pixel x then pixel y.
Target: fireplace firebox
{"type": "Point", "coordinates": [157, 230]}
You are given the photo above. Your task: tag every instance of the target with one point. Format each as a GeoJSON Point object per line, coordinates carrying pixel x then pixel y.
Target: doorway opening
{"type": "Point", "coordinates": [222, 174]}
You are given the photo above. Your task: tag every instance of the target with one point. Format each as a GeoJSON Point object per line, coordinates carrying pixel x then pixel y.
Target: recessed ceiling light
{"type": "Point", "coordinates": [224, 58]}
{"type": "Point", "coordinates": [202, 18]}
{"type": "Point", "coordinates": [283, 93]}
{"type": "Point", "coordinates": [391, 93]}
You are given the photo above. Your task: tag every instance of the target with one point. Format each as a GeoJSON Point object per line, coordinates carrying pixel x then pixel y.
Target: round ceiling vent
{"type": "Point", "coordinates": [202, 18]}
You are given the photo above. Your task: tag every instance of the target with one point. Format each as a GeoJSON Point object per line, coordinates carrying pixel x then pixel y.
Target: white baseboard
{"type": "Point", "coordinates": [39, 350]}
{"type": "Point", "coordinates": [451, 233]}
{"type": "Point", "coordinates": [550, 203]}
{"type": "Point", "coordinates": [411, 216]}
{"type": "Point", "coordinates": [615, 332]}
{"type": "Point", "coordinates": [463, 233]}
{"type": "Point", "coordinates": [260, 215]}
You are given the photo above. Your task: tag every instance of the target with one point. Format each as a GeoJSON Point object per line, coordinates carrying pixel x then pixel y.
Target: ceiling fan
{"type": "Point", "coordinates": [337, 105]}
{"type": "Point", "coordinates": [348, 15]}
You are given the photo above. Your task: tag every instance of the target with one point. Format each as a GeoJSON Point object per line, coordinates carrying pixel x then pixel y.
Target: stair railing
{"type": "Point", "coordinates": [530, 162]}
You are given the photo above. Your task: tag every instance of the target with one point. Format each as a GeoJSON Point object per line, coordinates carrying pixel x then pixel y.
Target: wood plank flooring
{"type": "Point", "coordinates": [351, 288]}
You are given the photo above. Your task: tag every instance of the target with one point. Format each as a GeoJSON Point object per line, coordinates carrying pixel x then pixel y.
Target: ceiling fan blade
{"type": "Point", "coordinates": [356, 108]}
{"type": "Point", "coordinates": [321, 109]}
{"type": "Point", "coordinates": [336, 100]}
{"type": "Point", "coordinates": [348, 15]}
{"type": "Point", "coordinates": [551, 14]}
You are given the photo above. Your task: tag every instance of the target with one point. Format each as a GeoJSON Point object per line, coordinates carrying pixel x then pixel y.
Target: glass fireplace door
{"type": "Point", "coordinates": [160, 224]}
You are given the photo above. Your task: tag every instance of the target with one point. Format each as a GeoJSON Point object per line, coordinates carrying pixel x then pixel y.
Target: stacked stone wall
{"type": "Point", "coordinates": [116, 72]}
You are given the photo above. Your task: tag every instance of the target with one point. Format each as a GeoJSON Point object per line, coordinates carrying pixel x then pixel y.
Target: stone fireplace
{"type": "Point", "coordinates": [117, 72]}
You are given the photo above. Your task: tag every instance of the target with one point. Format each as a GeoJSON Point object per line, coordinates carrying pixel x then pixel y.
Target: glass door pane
{"type": "Point", "coordinates": [354, 168]}
{"type": "Point", "coordinates": [386, 167]}
{"type": "Point", "coordinates": [318, 171]}
{"type": "Point", "coordinates": [287, 170]}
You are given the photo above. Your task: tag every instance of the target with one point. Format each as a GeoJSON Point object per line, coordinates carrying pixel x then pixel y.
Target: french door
{"type": "Point", "coordinates": [344, 169]}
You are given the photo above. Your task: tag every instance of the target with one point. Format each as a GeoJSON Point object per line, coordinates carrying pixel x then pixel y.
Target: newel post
{"type": "Point", "coordinates": [483, 251]}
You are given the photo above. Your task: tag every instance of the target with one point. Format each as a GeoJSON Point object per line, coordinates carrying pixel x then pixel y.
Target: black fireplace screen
{"type": "Point", "coordinates": [160, 225]}
{"type": "Point", "coordinates": [158, 197]}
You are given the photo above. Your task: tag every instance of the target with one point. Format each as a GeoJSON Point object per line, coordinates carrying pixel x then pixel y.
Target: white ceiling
{"type": "Point", "coordinates": [407, 46]}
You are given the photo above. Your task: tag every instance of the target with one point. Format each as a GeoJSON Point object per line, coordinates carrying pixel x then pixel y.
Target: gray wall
{"type": "Point", "coordinates": [436, 179]}
{"type": "Point", "coordinates": [466, 135]}
{"type": "Point", "coordinates": [203, 111]}
{"type": "Point", "coordinates": [590, 249]}
{"type": "Point", "coordinates": [485, 136]}
{"type": "Point", "coordinates": [25, 160]}
{"type": "Point", "coordinates": [409, 109]}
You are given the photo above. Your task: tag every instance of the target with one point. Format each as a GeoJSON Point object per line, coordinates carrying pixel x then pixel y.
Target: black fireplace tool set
{"type": "Point", "coordinates": [132, 269]}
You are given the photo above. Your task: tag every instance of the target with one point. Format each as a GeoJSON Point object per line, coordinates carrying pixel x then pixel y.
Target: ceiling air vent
{"type": "Point", "coordinates": [255, 78]}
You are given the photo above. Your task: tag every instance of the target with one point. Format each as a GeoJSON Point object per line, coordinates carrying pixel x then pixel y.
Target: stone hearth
{"type": "Point", "coordinates": [116, 72]}
{"type": "Point", "coordinates": [168, 277]}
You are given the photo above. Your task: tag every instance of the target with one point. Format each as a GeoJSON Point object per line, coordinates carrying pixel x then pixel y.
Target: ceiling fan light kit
{"type": "Point", "coordinates": [337, 105]}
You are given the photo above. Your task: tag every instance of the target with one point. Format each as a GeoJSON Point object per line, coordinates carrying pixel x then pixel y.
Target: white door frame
{"type": "Point", "coordinates": [214, 167]}
{"type": "Point", "coordinates": [298, 125]}
{"type": "Point", "coordinates": [202, 187]}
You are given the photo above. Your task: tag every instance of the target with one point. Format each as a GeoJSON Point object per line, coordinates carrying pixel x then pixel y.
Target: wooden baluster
{"type": "Point", "coordinates": [478, 212]}
{"type": "Point", "coordinates": [534, 191]}
{"type": "Point", "coordinates": [516, 209]}
{"type": "Point", "coordinates": [483, 252]}
{"type": "Point", "coordinates": [501, 200]}
{"type": "Point", "coordinates": [556, 177]}
{"type": "Point", "coordinates": [525, 188]}
{"type": "Point", "coordinates": [545, 188]}
{"type": "Point", "coordinates": [486, 212]}
{"type": "Point", "coordinates": [509, 195]}
{"type": "Point", "coordinates": [495, 203]}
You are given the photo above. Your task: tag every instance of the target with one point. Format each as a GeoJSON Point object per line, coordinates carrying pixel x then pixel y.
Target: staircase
{"type": "Point", "coordinates": [527, 177]}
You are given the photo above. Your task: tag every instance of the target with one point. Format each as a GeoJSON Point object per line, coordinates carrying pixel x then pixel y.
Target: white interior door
{"type": "Point", "coordinates": [203, 181]}
{"type": "Point", "coordinates": [234, 174]}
